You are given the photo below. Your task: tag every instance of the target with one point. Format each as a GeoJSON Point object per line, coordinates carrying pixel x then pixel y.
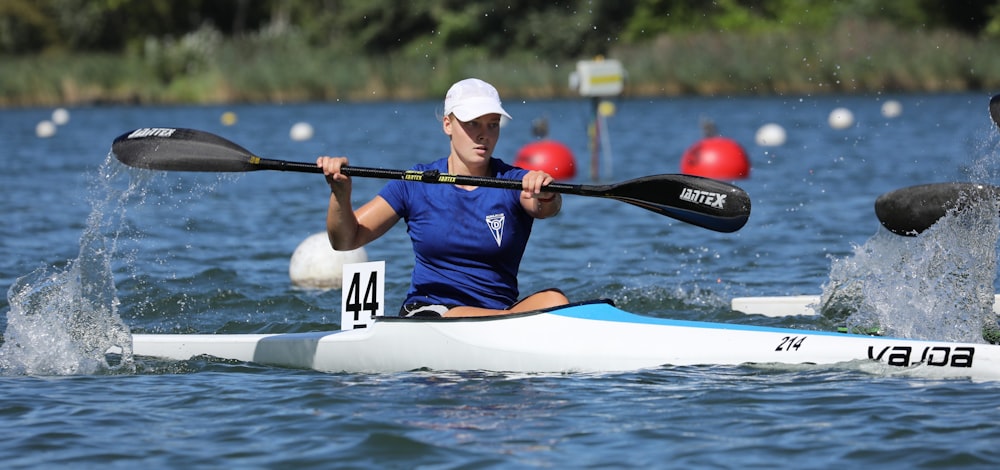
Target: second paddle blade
{"type": "Point", "coordinates": [165, 148]}
{"type": "Point", "coordinates": [911, 210]}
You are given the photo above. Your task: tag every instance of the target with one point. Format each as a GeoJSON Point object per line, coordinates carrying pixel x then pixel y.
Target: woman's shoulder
{"type": "Point", "coordinates": [396, 190]}
{"type": "Point", "coordinates": [503, 169]}
{"type": "Point", "coordinates": [440, 164]}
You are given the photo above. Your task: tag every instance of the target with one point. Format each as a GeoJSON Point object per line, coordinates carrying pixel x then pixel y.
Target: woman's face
{"type": "Point", "coordinates": [473, 141]}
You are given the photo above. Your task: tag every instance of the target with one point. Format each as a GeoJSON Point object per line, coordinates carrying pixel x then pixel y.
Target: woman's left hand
{"type": "Point", "coordinates": [533, 183]}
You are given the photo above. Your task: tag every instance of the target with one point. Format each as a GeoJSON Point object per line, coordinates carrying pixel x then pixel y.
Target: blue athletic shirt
{"type": "Point", "coordinates": [467, 244]}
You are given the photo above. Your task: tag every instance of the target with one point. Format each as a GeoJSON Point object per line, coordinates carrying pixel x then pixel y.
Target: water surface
{"type": "Point", "coordinates": [205, 253]}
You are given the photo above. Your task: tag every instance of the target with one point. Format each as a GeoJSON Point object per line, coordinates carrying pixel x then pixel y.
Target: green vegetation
{"type": "Point", "coordinates": [214, 51]}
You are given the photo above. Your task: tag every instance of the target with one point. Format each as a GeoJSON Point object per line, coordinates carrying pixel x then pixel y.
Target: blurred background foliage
{"type": "Point", "coordinates": [145, 51]}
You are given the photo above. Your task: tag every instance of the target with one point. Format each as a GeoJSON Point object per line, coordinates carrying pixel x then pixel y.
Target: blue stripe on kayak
{"type": "Point", "coordinates": [607, 312]}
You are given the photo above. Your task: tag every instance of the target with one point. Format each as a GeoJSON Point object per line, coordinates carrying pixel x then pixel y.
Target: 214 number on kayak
{"type": "Point", "coordinates": [789, 343]}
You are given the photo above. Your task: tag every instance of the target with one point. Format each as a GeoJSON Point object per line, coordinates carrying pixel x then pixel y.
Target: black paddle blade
{"type": "Point", "coordinates": [909, 211]}
{"type": "Point", "coordinates": [704, 202]}
{"type": "Point", "coordinates": [167, 148]}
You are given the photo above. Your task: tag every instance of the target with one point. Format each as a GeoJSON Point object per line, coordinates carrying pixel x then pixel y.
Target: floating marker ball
{"type": "Point", "coordinates": [549, 156]}
{"type": "Point", "coordinates": [716, 157]}
{"type": "Point", "coordinates": [228, 118]}
{"type": "Point", "coordinates": [301, 131]}
{"type": "Point", "coordinates": [892, 108]}
{"type": "Point", "coordinates": [770, 135]}
{"type": "Point", "coordinates": [315, 264]}
{"type": "Point", "coordinates": [45, 129]}
{"type": "Point", "coordinates": [60, 116]}
{"type": "Point", "coordinates": [841, 118]}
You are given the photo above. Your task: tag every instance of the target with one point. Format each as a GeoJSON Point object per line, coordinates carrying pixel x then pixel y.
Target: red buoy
{"type": "Point", "coordinates": [716, 157]}
{"type": "Point", "coordinates": [549, 156]}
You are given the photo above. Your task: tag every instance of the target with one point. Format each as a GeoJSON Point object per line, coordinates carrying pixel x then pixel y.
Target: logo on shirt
{"type": "Point", "coordinates": [495, 223]}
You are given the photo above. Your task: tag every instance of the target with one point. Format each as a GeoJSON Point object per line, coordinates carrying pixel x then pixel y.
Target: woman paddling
{"type": "Point", "coordinates": [468, 241]}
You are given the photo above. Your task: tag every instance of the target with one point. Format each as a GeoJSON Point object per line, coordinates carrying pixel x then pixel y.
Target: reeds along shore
{"type": "Point", "coordinates": [854, 58]}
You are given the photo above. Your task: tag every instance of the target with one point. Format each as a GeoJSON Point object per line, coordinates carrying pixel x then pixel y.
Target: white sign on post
{"type": "Point", "coordinates": [362, 294]}
{"type": "Point", "coordinates": [602, 77]}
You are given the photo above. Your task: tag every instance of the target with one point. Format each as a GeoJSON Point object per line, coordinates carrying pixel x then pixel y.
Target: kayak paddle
{"type": "Point", "coordinates": [704, 202]}
{"type": "Point", "coordinates": [909, 211]}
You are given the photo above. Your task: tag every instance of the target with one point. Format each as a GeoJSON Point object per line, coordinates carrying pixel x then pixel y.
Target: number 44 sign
{"type": "Point", "coordinates": [362, 294]}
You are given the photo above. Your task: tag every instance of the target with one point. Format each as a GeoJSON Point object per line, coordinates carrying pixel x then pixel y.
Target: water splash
{"type": "Point", "coordinates": [937, 286]}
{"type": "Point", "coordinates": [63, 321]}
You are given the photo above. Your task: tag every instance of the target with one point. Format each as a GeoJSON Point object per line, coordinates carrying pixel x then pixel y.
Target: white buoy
{"type": "Point", "coordinates": [315, 264]}
{"type": "Point", "coordinates": [45, 129]}
{"type": "Point", "coordinates": [891, 109]}
{"type": "Point", "coordinates": [770, 135]}
{"type": "Point", "coordinates": [60, 116]}
{"type": "Point", "coordinates": [841, 118]}
{"type": "Point", "coordinates": [301, 131]}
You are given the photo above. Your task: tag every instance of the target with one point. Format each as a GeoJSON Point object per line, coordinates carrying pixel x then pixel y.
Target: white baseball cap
{"type": "Point", "coordinates": [471, 98]}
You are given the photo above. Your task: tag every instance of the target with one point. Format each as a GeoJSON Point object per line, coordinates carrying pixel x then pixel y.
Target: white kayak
{"type": "Point", "coordinates": [584, 337]}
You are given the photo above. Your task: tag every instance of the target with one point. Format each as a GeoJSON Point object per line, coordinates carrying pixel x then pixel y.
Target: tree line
{"type": "Point", "coordinates": [562, 28]}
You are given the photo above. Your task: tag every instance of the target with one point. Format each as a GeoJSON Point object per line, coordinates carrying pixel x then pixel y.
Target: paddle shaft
{"type": "Point", "coordinates": [429, 177]}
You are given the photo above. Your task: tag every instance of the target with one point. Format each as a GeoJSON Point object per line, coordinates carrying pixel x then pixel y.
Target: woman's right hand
{"type": "Point", "coordinates": [331, 169]}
